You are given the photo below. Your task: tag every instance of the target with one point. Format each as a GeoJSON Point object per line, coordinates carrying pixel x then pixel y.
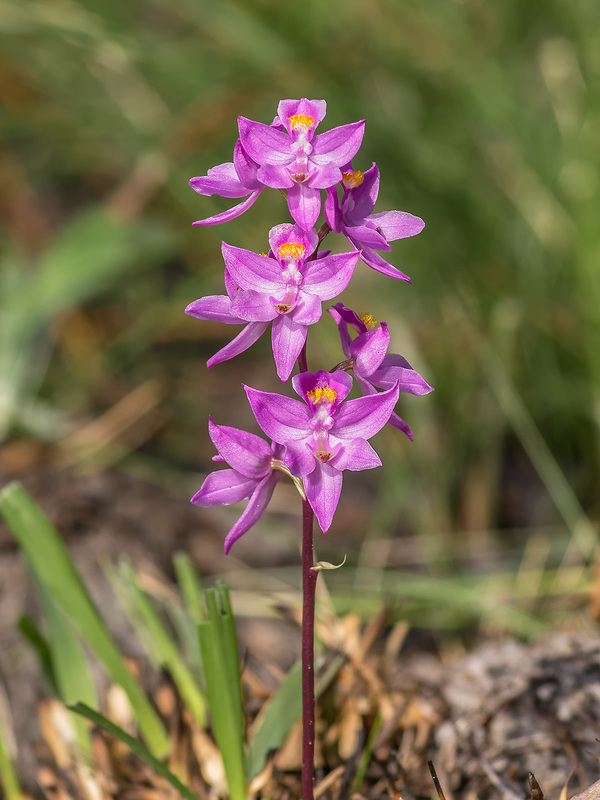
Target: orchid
{"type": "Point", "coordinates": [296, 159]}
{"type": "Point", "coordinates": [237, 178]}
{"type": "Point", "coordinates": [323, 435]}
{"type": "Point", "coordinates": [366, 231]}
{"type": "Point", "coordinates": [255, 469]}
{"type": "Point", "coordinates": [368, 359]}
{"type": "Point", "coordinates": [286, 289]}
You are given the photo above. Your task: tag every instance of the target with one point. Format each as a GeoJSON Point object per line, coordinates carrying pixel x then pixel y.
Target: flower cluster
{"type": "Point", "coordinates": [316, 438]}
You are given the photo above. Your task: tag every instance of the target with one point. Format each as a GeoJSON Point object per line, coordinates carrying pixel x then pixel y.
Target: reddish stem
{"type": "Point", "coordinates": [302, 365]}
{"type": "Point", "coordinates": [309, 583]}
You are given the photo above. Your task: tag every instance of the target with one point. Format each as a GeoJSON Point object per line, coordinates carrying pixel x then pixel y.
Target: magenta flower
{"type": "Point", "coordinates": [368, 358]}
{"type": "Point", "coordinates": [296, 159]}
{"type": "Point", "coordinates": [232, 179]}
{"type": "Point", "coordinates": [324, 435]}
{"type": "Point", "coordinates": [256, 468]}
{"type": "Point", "coordinates": [366, 231]}
{"type": "Point", "coordinates": [284, 288]}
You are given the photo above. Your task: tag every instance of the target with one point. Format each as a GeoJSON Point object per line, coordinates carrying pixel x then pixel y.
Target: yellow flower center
{"type": "Point", "coordinates": [367, 320]}
{"type": "Point", "coordinates": [301, 121]}
{"type": "Point", "coordinates": [352, 179]}
{"type": "Point", "coordinates": [322, 392]}
{"type": "Point", "coordinates": [291, 250]}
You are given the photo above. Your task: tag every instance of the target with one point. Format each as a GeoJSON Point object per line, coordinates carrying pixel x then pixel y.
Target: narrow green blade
{"type": "Point", "coordinates": [36, 639]}
{"type": "Point", "coordinates": [190, 586]}
{"type": "Point", "coordinates": [70, 668]}
{"type": "Point", "coordinates": [8, 774]}
{"type": "Point", "coordinates": [135, 746]}
{"type": "Point", "coordinates": [223, 705]}
{"type": "Point", "coordinates": [231, 653]}
{"type": "Point", "coordinates": [164, 647]}
{"type": "Point", "coordinates": [52, 564]}
{"type": "Point", "coordinates": [283, 710]}
{"type": "Point", "coordinates": [276, 721]}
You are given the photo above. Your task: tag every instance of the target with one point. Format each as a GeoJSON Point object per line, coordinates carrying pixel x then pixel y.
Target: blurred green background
{"type": "Point", "coordinates": [484, 119]}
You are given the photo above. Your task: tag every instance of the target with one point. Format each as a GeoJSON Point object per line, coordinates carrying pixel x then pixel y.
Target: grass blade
{"type": "Point", "coordinates": [73, 680]}
{"type": "Point", "coordinates": [135, 746]}
{"type": "Point", "coordinates": [8, 774]}
{"type": "Point", "coordinates": [276, 720]}
{"type": "Point", "coordinates": [165, 650]}
{"type": "Point", "coordinates": [223, 693]}
{"type": "Point", "coordinates": [52, 564]}
{"type": "Point", "coordinates": [190, 586]}
{"type": "Point", "coordinates": [37, 640]}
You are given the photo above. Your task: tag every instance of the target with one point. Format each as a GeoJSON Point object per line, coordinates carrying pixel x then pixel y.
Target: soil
{"type": "Point", "coordinates": [486, 718]}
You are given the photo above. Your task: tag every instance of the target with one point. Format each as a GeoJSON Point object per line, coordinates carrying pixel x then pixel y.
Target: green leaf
{"type": "Point", "coordinates": [284, 709]}
{"type": "Point", "coordinates": [52, 564]}
{"type": "Point", "coordinates": [276, 720]}
{"type": "Point", "coordinates": [8, 775]}
{"type": "Point", "coordinates": [165, 650]}
{"type": "Point", "coordinates": [71, 671]}
{"type": "Point", "coordinates": [135, 746]}
{"type": "Point", "coordinates": [36, 639]}
{"type": "Point", "coordinates": [190, 586]}
{"type": "Point", "coordinates": [223, 690]}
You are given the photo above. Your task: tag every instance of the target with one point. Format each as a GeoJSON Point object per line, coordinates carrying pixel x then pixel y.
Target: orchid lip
{"type": "Point", "coordinates": [324, 456]}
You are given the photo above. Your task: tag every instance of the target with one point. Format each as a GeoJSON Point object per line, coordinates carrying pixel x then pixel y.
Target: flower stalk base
{"type": "Point", "coordinates": [309, 583]}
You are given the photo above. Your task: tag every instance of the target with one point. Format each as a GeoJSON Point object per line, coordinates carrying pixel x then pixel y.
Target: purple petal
{"type": "Point", "coordinates": [214, 307]}
{"type": "Point", "coordinates": [366, 237]}
{"type": "Point", "coordinates": [287, 233]}
{"type": "Point", "coordinates": [304, 205]}
{"type": "Point", "coordinates": [263, 143]}
{"type": "Point", "coordinates": [242, 342]}
{"type": "Point", "coordinates": [398, 422]}
{"type": "Point", "coordinates": [375, 261]}
{"type": "Point", "coordinates": [343, 329]}
{"type": "Point", "coordinates": [396, 225]}
{"type": "Point", "coordinates": [245, 167]}
{"type": "Point", "coordinates": [300, 457]}
{"type": "Point", "coordinates": [327, 277]}
{"type": "Point", "coordinates": [231, 286]}
{"type": "Point", "coordinates": [307, 310]}
{"type": "Point", "coordinates": [232, 213]}
{"type": "Point", "coordinates": [308, 108]}
{"type": "Point", "coordinates": [365, 385]}
{"type": "Point", "coordinates": [395, 368]}
{"type": "Point", "coordinates": [351, 317]}
{"type": "Point", "coordinates": [323, 487]}
{"type": "Point", "coordinates": [365, 195]}
{"type": "Point", "coordinates": [222, 180]}
{"type": "Point", "coordinates": [251, 270]}
{"type": "Point", "coordinates": [333, 215]}
{"type": "Point", "coordinates": [275, 176]}
{"type": "Point", "coordinates": [339, 381]}
{"type": "Point", "coordinates": [281, 418]}
{"type": "Point", "coordinates": [288, 338]}
{"type": "Point", "coordinates": [339, 145]}
{"type": "Point", "coordinates": [253, 306]}
{"type": "Point", "coordinates": [365, 416]}
{"type": "Point", "coordinates": [369, 349]}
{"type": "Point", "coordinates": [356, 455]}
{"type": "Point", "coordinates": [247, 453]}
{"type": "Point", "coordinates": [223, 488]}
{"type": "Point", "coordinates": [254, 510]}
{"type": "Point", "coordinates": [324, 176]}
